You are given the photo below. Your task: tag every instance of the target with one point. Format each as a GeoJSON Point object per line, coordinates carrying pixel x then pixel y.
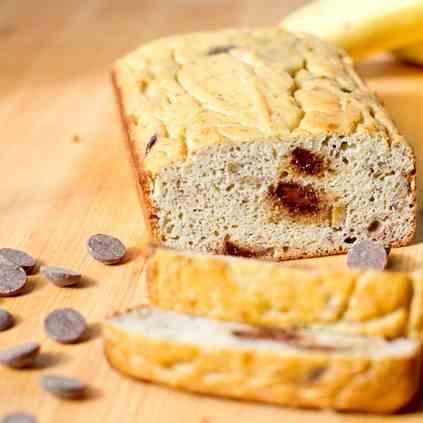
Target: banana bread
{"type": "Point", "coordinates": [261, 143]}
{"type": "Point", "coordinates": [297, 367]}
{"type": "Point", "coordinates": [386, 304]}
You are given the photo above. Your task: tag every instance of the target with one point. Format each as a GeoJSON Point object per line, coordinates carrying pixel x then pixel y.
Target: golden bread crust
{"type": "Point", "coordinates": [387, 304]}
{"type": "Point", "coordinates": [192, 91]}
{"type": "Point", "coordinates": [299, 378]}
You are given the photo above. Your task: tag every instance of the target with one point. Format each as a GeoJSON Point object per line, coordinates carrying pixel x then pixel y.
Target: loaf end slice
{"type": "Point", "coordinates": [262, 143]}
{"type": "Point", "coordinates": [386, 304]}
{"type": "Point", "coordinates": [302, 368]}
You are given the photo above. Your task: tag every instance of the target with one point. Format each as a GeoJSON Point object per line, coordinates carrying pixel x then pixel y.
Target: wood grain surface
{"type": "Point", "coordinates": [65, 174]}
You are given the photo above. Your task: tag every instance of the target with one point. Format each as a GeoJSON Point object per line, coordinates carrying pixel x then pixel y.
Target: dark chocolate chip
{"type": "Point", "coordinates": [150, 144]}
{"type": "Point", "coordinates": [19, 418]}
{"type": "Point", "coordinates": [18, 258]}
{"type": "Point", "coordinates": [12, 280]}
{"type": "Point", "coordinates": [231, 249]}
{"type": "Point", "coordinates": [20, 356]}
{"type": "Point", "coordinates": [306, 162]}
{"type": "Point", "coordinates": [106, 248]}
{"type": "Point", "coordinates": [64, 387]}
{"type": "Point", "coordinates": [316, 374]}
{"type": "Point", "coordinates": [65, 325]}
{"type": "Point", "coordinates": [297, 199]}
{"type": "Point", "coordinates": [60, 276]}
{"type": "Point", "coordinates": [268, 333]}
{"type": "Point", "coordinates": [6, 320]}
{"type": "Point", "coordinates": [350, 240]}
{"type": "Point", "coordinates": [221, 49]}
{"type": "Point", "coordinates": [367, 254]}
{"type": "Point", "coordinates": [289, 336]}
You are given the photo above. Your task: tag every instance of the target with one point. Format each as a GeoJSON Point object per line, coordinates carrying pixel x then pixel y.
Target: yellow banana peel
{"type": "Point", "coordinates": [412, 54]}
{"type": "Point", "coordinates": [363, 27]}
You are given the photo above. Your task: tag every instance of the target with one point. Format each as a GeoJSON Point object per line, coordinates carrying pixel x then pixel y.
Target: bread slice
{"type": "Point", "coordinates": [386, 304]}
{"type": "Point", "coordinates": [263, 143]}
{"type": "Point", "coordinates": [304, 368]}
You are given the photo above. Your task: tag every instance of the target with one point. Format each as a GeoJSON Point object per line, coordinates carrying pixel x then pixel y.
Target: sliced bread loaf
{"type": "Point", "coordinates": [263, 143]}
{"type": "Point", "coordinates": [306, 368]}
{"type": "Point", "coordinates": [387, 304]}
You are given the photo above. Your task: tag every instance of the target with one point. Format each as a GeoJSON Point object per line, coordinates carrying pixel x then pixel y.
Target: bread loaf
{"type": "Point", "coordinates": [387, 304]}
{"type": "Point", "coordinates": [261, 143]}
{"type": "Point", "coordinates": [304, 368]}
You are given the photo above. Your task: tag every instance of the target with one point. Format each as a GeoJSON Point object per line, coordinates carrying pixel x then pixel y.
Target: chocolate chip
{"type": "Point", "coordinates": [106, 248]}
{"type": "Point", "coordinates": [232, 249]}
{"type": "Point", "coordinates": [150, 144]}
{"type": "Point", "coordinates": [6, 320]}
{"type": "Point", "coordinates": [289, 336]}
{"type": "Point", "coordinates": [18, 258]}
{"type": "Point", "coordinates": [268, 333]}
{"type": "Point", "coordinates": [65, 325]}
{"type": "Point", "coordinates": [12, 280]}
{"type": "Point", "coordinates": [306, 162]}
{"type": "Point", "coordinates": [20, 356]}
{"type": "Point", "coordinates": [221, 49]}
{"type": "Point", "coordinates": [316, 374]}
{"type": "Point", "coordinates": [19, 418]}
{"type": "Point", "coordinates": [60, 276]}
{"type": "Point", "coordinates": [296, 199]}
{"type": "Point", "coordinates": [367, 254]}
{"type": "Point", "coordinates": [63, 387]}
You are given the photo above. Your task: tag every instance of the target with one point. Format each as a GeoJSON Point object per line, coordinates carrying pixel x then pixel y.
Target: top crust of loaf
{"type": "Point", "coordinates": [184, 93]}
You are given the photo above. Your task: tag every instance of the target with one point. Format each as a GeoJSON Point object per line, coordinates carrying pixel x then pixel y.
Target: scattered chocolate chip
{"type": "Point", "coordinates": [296, 199]}
{"type": "Point", "coordinates": [306, 162]}
{"type": "Point", "coordinates": [106, 248]}
{"type": "Point", "coordinates": [64, 387]}
{"type": "Point", "coordinates": [20, 356]}
{"type": "Point", "coordinates": [60, 276]}
{"type": "Point", "coordinates": [221, 49]}
{"type": "Point", "coordinates": [6, 320]}
{"type": "Point", "coordinates": [4, 260]}
{"type": "Point", "coordinates": [12, 280]}
{"type": "Point", "coordinates": [150, 144]}
{"type": "Point", "coordinates": [65, 325]}
{"type": "Point", "coordinates": [18, 258]}
{"type": "Point", "coordinates": [19, 418]}
{"type": "Point", "coordinates": [367, 254]}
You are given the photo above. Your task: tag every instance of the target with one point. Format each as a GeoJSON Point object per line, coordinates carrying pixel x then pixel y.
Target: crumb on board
{"type": "Point", "coordinates": [76, 139]}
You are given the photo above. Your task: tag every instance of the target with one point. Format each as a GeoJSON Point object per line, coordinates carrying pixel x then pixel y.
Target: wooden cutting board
{"type": "Point", "coordinates": [65, 175]}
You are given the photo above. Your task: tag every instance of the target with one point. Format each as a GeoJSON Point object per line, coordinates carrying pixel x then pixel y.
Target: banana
{"type": "Point", "coordinates": [362, 27]}
{"type": "Point", "coordinates": [412, 54]}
